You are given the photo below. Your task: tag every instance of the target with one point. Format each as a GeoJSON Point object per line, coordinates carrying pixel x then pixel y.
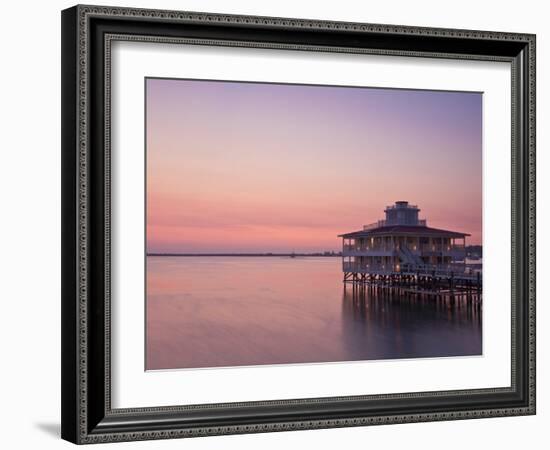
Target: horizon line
{"type": "Point", "coordinates": [318, 253]}
{"type": "Point", "coordinates": [324, 253]}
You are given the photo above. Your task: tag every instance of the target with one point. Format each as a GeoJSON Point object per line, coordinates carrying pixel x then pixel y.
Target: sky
{"type": "Point", "coordinates": [256, 167]}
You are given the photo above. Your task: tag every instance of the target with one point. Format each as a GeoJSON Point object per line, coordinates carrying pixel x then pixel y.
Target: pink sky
{"type": "Point", "coordinates": [250, 167]}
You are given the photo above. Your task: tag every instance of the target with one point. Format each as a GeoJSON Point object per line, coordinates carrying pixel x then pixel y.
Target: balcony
{"type": "Point", "coordinates": [372, 226]}
{"type": "Point", "coordinates": [384, 223]}
{"type": "Point", "coordinates": [368, 250]}
{"type": "Point", "coordinates": [441, 250]}
{"type": "Point", "coordinates": [356, 267]}
{"type": "Point", "coordinates": [456, 270]}
{"type": "Point", "coordinates": [402, 205]}
{"type": "Point", "coordinates": [389, 250]}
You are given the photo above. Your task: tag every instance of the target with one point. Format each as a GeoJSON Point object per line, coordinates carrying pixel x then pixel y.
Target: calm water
{"type": "Point", "coordinates": [231, 311]}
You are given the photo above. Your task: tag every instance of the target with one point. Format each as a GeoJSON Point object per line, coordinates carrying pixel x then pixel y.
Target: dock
{"type": "Point", "coordinates": [430, 281]}
{"type": "Point", "coordinates": [401, 253]}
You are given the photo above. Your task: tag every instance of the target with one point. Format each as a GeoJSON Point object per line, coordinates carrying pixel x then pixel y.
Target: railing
{"type": "Point", "coordinates": [459, 270]}
{"type": "Point", "coordinates": [415, 249]}
{"type": "Point", "coordinates": [373, 225]}
{"type": "Point", "coordinates": [401, 206]}
{"type": "Point", "coordinates": [383, 223]}
{"type": "Point", "coordinates": [373, 268]}
{"type": "Point", "coordinates": [408, 256]}
{"type": "Point", "coordinates": [415, 269]}
{"type": "Point", "coordinates": [369, 248]}
{"type": "Point", "coordinates": [439, 248]}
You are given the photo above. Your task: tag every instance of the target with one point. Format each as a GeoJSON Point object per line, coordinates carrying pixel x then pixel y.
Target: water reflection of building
{"type": "Point", "coordinates": [413, 325]}
{"type": "Point", "coordinates": [403, 250]}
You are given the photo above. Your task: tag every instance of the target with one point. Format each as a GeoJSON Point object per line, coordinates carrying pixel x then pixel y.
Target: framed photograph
{"type": "Point", "coordinates": [277, 224]}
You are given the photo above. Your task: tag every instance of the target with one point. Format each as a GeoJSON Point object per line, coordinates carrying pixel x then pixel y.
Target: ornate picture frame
{"type": "Point", "coordinates": [87, 35]}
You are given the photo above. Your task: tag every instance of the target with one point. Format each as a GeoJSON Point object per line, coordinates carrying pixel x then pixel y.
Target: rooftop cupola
{"type": "Point", "coordinates": [403, 214]}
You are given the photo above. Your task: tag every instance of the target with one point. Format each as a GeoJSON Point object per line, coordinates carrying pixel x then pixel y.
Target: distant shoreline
{"type": "Point", "coordinates": [324, 255]}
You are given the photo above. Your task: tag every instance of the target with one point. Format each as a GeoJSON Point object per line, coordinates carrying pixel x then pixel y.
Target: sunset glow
{"type": "Point", "coordinates": [253, 167]}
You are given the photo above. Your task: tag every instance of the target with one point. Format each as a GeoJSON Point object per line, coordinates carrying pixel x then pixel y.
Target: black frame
{"type": "Point", "coordinates": [87, 31]}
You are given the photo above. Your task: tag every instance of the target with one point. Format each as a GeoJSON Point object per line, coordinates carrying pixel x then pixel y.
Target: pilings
{"type": "Point", "coordinates": [381, 304]}
{"type": "Point", "coordinates": [425, 284]}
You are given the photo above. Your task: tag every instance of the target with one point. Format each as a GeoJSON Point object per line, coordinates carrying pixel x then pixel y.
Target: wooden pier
{"type": "Point", "coordinates": [430, 281]}
{"type": "Point", "coordinates": [402, 253]}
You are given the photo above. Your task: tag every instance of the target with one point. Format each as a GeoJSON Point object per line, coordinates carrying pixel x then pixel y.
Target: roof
{"type": "Point", "coordinates": [409, 230]}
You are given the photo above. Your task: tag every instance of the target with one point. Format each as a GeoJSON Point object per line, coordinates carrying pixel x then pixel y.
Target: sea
{"type": "Point", "coordinates": [226, 311]}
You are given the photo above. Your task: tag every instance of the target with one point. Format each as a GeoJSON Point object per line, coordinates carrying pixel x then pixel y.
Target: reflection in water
{"type": "Point", "coordinates": [408, 325]}
{"type": "Point", "coordinates": [235, 311]}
